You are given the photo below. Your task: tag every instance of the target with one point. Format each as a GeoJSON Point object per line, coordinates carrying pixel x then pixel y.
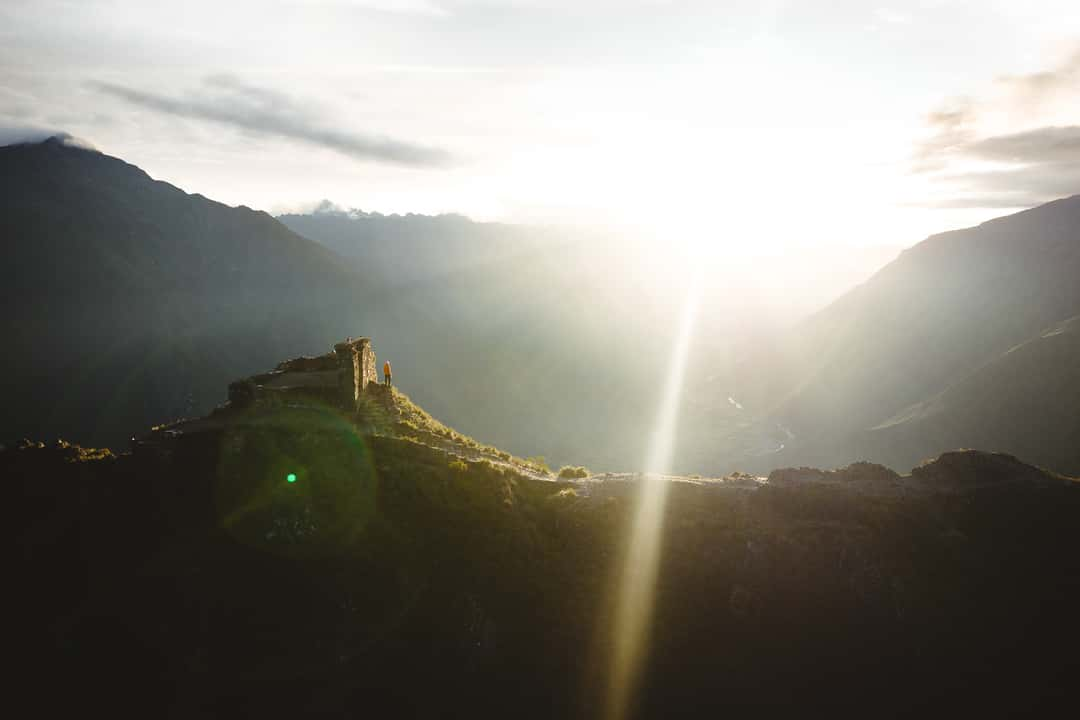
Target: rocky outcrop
{"type": "Point", "coordinates": [955, 471]}
{"type": "Point", "coordinates": [792, 476]}
{"type": "Point", "coordinates": [962, 470]}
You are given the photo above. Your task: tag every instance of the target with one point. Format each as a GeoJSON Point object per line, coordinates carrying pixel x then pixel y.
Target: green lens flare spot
{"type": "Point", "coordinates": [291, 477]}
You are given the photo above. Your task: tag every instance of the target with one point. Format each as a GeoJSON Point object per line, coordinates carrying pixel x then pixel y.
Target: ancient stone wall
{"type": "Point", "coordinates": [368, 373]}
{"type": "Point", "coordinates": [356, 368]}
{"type": "Point", "coordinates": [308, 364]}
{"type": "Point", "coordinates": [339, 377]}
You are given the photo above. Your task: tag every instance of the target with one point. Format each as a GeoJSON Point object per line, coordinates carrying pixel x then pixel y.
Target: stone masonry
{"type": "Point", "coordinates": [356, 368]}
{"type": "Point", "coordinates": [339, 378]}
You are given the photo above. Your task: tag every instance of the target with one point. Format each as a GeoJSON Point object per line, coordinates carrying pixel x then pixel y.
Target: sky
{"type": "Point", "coordinates": [743, 126]}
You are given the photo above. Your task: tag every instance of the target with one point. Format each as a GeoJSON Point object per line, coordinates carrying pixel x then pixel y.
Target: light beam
{"type": "Point", "coordinates": [637, 583]}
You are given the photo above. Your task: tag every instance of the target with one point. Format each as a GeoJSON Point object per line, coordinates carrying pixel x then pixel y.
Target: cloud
{"type": "Point", "coordinates": [225, 100]}
{"type": "Point", "coordinates": [1045, 145]}
{"type": "Point", "coordinates": [1007, 170]}
{"type": "Point", "coordinates": [1010, 187]}
{"type": "Point", "coordinates": [991, 200]}
{"type": "Point", "coordinates": [1038, 87]}
{"type": "Point", "coordinates": [952, 128]}
{"type": "Point", "coordinates": [1039, 165]}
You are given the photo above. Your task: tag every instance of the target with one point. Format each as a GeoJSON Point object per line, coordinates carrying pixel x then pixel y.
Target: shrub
{"type": "Point", "coordinates": [458, 465]}
{"type": "Point", "coordinates": [573, 471]}
{"type": "Point", "coordinates": [538, 462]}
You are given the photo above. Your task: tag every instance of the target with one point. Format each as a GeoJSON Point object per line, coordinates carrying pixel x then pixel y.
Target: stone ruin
{"type": "Point", "coordinates": [338, 378]}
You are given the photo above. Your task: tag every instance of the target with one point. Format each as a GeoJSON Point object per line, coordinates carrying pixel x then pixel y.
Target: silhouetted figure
{"type": "Point", "coordinates": [387, 375]}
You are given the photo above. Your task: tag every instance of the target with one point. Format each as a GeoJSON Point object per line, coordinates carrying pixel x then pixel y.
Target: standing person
{"type": "Point", "coordinates": [386, 373]}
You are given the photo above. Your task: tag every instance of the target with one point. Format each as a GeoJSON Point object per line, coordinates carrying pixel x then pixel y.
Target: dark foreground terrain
{"type": "Point", "coordinates": [392, 579]}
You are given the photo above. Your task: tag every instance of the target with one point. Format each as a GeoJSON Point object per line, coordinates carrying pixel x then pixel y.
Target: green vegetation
{"type": "Point", "coordinates": [573, 471]}
{"type": "Point", "coordinates": [399, 415]}
{"type": "Point", "coordinates": [537, 462]}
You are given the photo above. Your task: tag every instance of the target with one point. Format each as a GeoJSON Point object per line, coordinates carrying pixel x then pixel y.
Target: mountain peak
{"type": "Point", "coordinates": [68, 140]}
{"type": "Point", "coordinates": [45, 139]}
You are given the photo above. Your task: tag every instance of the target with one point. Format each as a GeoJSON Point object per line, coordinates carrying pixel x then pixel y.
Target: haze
{"type": "Point", "coordinates": [755, 126]}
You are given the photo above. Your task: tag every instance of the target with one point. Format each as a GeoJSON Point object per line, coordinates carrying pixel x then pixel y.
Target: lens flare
{"type": "Point", "coordinates": [637, 582]}
{"type": "Point", "coordinates": [258, 495]}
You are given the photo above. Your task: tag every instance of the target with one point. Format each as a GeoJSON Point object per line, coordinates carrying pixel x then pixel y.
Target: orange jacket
{"type": "Point", "coordinates": [386, 368]}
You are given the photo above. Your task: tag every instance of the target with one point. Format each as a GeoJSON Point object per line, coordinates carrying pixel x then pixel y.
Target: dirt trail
{"type": "Point", "coordinates": [587, 483]}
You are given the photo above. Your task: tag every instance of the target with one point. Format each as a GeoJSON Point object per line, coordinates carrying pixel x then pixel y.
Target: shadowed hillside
{"type": "Point", "coordinates": [128, 301]}
{"type": "Point", "coordinates": [964, 340]}
{"type": "Point", "coordinates": [295, 561]}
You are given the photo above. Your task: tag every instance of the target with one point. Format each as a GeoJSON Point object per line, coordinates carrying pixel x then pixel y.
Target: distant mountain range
{"type": "Point", "coordinates": [406, 249]}
{"type": "Point", "coordinates": [129, 302]}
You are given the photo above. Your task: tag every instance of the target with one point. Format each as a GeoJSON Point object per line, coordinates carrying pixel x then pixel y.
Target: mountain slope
{"type": "Point", "coordinates": [951, 304]}
{"type": "Point", "coordinates": [127, 301]}
{"type": "Point", "coordinates": [1024, 402]}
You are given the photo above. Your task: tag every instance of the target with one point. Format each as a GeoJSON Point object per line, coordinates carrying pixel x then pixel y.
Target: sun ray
{"type": "Point", "coordinates": [637, 581]}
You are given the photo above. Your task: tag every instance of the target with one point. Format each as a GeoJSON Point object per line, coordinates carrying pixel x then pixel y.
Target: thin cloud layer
{"type": "Point", "coordinates": [1050, 145]}
{"type": "Point", "coordinates": [227, 101]}
{"type": "Point", "coordinates": [952, 131]}
{"type": "Point", "coordinates": [1035, 88]}
{"type": "Point", "coordinates": [1022, 186]}
{"type": "Point", "coordinates": [1026, 168]}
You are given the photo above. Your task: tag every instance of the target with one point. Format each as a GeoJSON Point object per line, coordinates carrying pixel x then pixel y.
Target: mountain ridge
{"type": "Point", "coordinates": [137, 290]}
{"type": "Point", "coordinates": [144, 297]}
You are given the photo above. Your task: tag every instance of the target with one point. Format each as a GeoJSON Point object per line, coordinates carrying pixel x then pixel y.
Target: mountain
{"type": "Point", "coordinates": [967, 339]}
{"type": "Point", "coordinates": [293, 559]}
{"type": "Point", "coordinates": [407, 249]}
{"type": "Point", "coordinates": [534, 339]}
{"type": "Point", "coordinates": [544, 341]}
{"type": "Point", "coordinates": [557, 341]}
{"type": "Point", "coordinates": [128, 301]}
{"type": "Point", "coordinates": [148, 299]}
